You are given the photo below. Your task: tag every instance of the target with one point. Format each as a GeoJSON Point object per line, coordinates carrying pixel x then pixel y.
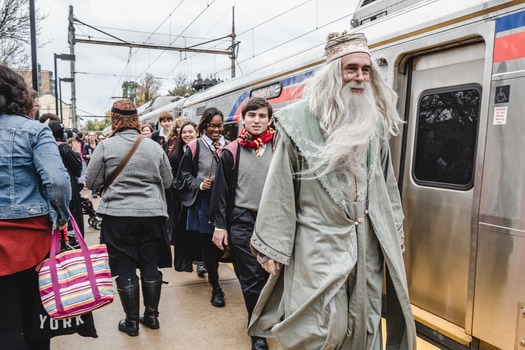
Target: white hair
{"type": "Point", "coordinates": [349, 121]}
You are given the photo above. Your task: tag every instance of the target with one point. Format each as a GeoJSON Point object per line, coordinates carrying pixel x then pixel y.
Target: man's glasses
{"type": "Point", "coordinates": [215, 126]}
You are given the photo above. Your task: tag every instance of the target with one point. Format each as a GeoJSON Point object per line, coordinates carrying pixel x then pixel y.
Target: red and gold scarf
{"type": "Point", "coordinates": [245, 140]}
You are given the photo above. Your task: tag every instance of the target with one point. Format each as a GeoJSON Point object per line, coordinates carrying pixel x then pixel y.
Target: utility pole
{"type": "Point", "coordinates": [233, 55]}
{"type": "Point", "coordinates": [71, 39]}
{"type": "Point", "coordinates": [34, 64]}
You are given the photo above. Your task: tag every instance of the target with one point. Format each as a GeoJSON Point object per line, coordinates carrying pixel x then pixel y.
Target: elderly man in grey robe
{"type": "Point", "coordinates": [330, 218]}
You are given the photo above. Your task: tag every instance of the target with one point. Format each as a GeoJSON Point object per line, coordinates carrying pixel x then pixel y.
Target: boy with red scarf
{"type": "Point", "coordinates": [237, 190]}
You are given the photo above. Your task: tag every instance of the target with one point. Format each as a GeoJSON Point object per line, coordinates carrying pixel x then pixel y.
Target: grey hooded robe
{"type": "Point", "coordinates": [305, 225]}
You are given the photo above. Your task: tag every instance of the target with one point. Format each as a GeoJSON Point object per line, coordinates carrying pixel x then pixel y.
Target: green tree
{"type": "Point", "coordinates": [148, 89]}
{"type": "Point", "coordinates": [129, 90]}
{"type": "Point", "coordinates": [182, 87]}
{"type": "Point", "coordinates": [97, 125]}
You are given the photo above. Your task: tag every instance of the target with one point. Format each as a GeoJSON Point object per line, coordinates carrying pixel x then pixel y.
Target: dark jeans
{"type": "Point", "coordinates": [211, 256]}
{"type": "Point", "coordinates": [17, 294]}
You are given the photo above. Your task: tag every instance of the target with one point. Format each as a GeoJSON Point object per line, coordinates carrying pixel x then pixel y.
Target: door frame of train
{"type": "Point", "coordinates": [401, 77]}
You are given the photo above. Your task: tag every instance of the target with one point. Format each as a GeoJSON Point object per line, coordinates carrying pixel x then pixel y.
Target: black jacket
{"type": "Point", "coordinates": [155, 136]}
{"type": "Point", "coordinates": [224, 186]}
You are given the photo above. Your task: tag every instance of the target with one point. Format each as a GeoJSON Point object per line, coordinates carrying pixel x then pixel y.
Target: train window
{"type": "Point", "coordinates": [199, 110]}
{"type": "Point", "coordinates": [446, 136]}
{"type": "Point", "coordinates": [268, 91]}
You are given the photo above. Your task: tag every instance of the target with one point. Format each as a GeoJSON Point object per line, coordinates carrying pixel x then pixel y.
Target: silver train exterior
{"type": "Point", "coordinates": [459, 70]}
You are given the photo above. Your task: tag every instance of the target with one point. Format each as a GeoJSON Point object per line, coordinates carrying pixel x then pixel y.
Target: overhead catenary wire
{"type": "Point", "coordinates": [244, 32]}
{"type": "Point", "coordinates": [288, 41]}
{"type": "Point", "coordinates": [238, 63]}
{"type": "Point", "coordinates": [178, 36]}
{"type": "Point", "coordinates": [131, 53]}
{"type": "Point", "coordinates": [274, 17]}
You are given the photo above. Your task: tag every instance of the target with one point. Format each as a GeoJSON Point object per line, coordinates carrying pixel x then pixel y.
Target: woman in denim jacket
{"type": "Point", "coordinates": [34, 197]}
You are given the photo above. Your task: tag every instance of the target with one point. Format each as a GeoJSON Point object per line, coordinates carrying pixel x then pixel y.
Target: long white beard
{"type": "Point", "coordinates": [345, 149]}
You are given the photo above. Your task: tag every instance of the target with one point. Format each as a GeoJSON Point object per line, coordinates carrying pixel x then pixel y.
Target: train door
{"type": "Point", "coordinates": [445, 89]}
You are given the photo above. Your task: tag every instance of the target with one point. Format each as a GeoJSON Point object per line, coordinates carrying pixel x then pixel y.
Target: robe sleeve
{"type": "Point", "coordinates": [165, 171]}
{"type": "Point", "coordinates": [393, 191]}
{"type": "Point", "coordinates": [222, 191]}
{"type": "Point", "coordinates": [186, 183]}
{"type": "Point", "coordinates": [275, 226]}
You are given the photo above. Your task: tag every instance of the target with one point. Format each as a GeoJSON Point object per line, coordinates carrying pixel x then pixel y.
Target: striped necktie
{"type": "Point", "coordinates": [217, 146]}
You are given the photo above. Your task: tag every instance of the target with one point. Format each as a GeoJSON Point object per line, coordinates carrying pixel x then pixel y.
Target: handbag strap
{"type": "Point", "coordinates": [125, 161]}
{"type": "Point", "coordinates": [55, 246]}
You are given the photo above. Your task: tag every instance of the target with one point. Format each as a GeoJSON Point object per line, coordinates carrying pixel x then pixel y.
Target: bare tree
{"type": "Point", "coordinates": [15, 31]}
{"type": "Point", "coordinates": [148, 89]}
{"type": "Point", "coordinates": [182, 87]}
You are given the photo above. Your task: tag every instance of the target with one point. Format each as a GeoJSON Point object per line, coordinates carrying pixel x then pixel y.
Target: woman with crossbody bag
{"type": "Point", "coordinates": [134, 212]}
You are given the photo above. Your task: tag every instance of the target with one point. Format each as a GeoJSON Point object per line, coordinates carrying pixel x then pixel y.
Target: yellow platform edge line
{"type": "Point", "coordinates": [444, 327]}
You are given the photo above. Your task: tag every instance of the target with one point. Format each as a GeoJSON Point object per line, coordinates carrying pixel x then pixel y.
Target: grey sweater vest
{"type": "Point", "coordinates": [251, 177]}
{"type": "Point", "coordinates": [206, 162]}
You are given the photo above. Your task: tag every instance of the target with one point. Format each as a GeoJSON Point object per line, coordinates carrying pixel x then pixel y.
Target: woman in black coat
{"type": "Point", "coordinates": [73, 164]}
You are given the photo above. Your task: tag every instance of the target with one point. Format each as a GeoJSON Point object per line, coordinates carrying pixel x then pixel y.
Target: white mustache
{"type": "Point", "coordinates": [356, 85]}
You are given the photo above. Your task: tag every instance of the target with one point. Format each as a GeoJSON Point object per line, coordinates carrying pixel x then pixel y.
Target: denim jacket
{"type": "Point", "coordinates": [33, 179]}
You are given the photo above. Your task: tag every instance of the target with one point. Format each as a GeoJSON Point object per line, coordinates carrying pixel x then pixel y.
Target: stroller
{"type": "Point", "coordinates": [87, 209]}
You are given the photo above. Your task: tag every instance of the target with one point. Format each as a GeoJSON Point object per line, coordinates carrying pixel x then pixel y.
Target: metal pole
{"type": "Point", "coordinates": [34, 62]}
{"type": "Point", "coordinates": [71, 38]}
{"type": "Point", "coordinates": [60, 97]}
{"type": "Point", "coordinates": [56, 85]}
{"type": "Point", "coordinates": [232, 56]}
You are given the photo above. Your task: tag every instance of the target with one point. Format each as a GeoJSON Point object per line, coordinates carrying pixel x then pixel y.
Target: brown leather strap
{"type": "Point", "coordinates": [125, 161]}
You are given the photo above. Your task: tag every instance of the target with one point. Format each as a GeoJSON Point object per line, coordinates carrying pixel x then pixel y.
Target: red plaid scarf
{"type": "Point", "coordinates": [245, 140]}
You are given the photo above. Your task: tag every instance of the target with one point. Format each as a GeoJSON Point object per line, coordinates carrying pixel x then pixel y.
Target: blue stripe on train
{"type": "Point", "coordinates": [509, 22]}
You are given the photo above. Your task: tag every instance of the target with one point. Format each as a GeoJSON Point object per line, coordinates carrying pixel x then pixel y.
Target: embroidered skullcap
{"type": "Point", "coordinates": [124, 116]}
{"type": "Point", "coordinates": [339, 44]}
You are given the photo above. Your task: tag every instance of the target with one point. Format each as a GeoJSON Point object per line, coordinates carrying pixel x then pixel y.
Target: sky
{"type": "Point", "coordinates": [269, 31]}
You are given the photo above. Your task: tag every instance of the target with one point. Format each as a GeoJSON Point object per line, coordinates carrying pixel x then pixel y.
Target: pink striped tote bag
{"type": "Point", "coordinates": [75, 282]}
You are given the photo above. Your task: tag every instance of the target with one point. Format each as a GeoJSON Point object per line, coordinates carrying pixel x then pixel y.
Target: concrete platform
{"type": "Point", "coordinates": [187, 319]}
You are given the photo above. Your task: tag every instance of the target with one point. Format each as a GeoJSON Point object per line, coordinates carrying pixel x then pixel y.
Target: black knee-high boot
{"type": "Point", "coordinates": [151, 288]}
{"type": "Point", "coordinates": [129, 297]}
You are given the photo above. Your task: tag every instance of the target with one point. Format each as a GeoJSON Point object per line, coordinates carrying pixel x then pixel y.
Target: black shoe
{"type": "Point", "coordinates": [217, 297]}
{"type": "Point", "coordinates": [201, 269]}
{"type": "Point", "coordinates": [259, 343]}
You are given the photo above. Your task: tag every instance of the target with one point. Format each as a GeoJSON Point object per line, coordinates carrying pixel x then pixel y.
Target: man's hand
{"type": "Point", "coordinates": [220, 238]}
{"type": "Point", "coordinates": [271, 267]}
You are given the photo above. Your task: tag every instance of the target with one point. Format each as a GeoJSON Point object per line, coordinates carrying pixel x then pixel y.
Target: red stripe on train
{"type": "Point", "coordinates": [288, 94]}
{"type": "Point", "coordinates": [509, 47]}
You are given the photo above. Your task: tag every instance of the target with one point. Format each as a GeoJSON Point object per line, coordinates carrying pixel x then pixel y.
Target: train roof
{"type": "Point", "coordinates": [420, 18]}
{"type": "Point", "coordinates": [404, 20]}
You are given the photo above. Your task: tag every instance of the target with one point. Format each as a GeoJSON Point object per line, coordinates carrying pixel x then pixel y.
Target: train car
{"type": "Point", "coordinates": [174, 107]}
{"type": "Point", "coordinates": [458, 68]}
